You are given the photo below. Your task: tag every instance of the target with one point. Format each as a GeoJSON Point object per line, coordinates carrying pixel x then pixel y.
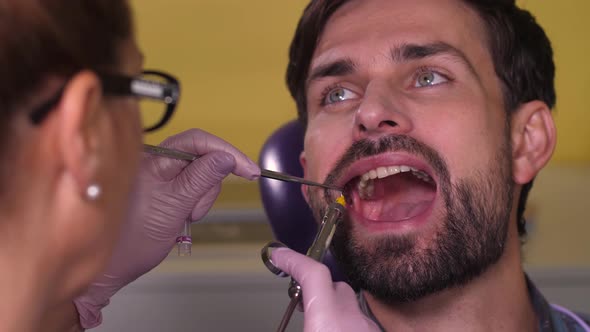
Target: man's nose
{"type": "Point", "coordinates": [381, 113]}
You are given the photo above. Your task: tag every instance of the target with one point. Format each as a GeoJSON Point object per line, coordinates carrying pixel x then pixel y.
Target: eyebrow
{"type": "Point", "coordinates": [409, 52]}
{"type": "Point", "coordinates": [399, 54]}
{"type": "Point", "coordinates": [337, 68]}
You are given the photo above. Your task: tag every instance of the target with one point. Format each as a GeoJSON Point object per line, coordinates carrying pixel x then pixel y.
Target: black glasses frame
{"type": "Point", "coordinates": [120, 85]}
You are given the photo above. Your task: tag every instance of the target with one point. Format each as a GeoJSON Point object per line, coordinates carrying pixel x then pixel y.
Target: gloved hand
{"type": "Point", "coordinates": [168, 192]}
{"type": "Point", "coordinates": [327, 305]}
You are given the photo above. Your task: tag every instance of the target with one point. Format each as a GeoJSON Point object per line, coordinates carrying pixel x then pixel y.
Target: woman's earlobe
{"type": "Point", "coordinates": [79, 137]}
{"type": "Point", "coordinates": [533, 138]}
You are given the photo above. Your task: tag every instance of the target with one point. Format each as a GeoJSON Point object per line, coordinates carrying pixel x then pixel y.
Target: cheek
{"type": "Point", "coordinates": [468, 140]}
{"type": "Point", "coordinates": [130, 133]}
{"type": "Point", "coordinates": [126, 144]}
{"type": "Point", "coordinates": [132, 121]}
{"type": "Point", "coordinates": [326, 140]}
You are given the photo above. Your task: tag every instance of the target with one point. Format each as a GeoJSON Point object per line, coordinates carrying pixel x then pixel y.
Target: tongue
{"type": "Point", "coordinates": [396, 198]}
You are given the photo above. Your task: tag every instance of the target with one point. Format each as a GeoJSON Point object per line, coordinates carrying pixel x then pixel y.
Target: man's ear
{"type": "Point", "coordinates": [533, 136]}
{"type": "Point", "coordinates": [303, 163]}
{"type": "Point", "coordinates": [79, 141]}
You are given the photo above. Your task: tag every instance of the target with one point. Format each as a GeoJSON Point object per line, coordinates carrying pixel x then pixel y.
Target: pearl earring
{"type": "Point", "coordinates": [93, 192]}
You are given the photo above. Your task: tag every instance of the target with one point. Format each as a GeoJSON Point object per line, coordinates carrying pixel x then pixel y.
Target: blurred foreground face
{"type": "Point", "coordinates": [100, 222]}
{"type": "Point", "coordinates": [125, 145]}
{"type": "Point", "coordinates": [406, 111]}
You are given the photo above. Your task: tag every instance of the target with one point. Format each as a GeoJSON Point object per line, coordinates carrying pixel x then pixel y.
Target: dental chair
{"type": "Point", "coordinates": [290, 217]}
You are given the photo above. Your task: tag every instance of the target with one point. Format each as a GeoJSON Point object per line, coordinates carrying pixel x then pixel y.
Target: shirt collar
{"type": "Point", "coordinates": [541, 307]}
{"type": "Point", "coordinates": [547, 321]}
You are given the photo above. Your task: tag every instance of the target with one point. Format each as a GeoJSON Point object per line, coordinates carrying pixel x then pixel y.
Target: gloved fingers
{"type": "Point", "coordinates": [313, 277]}
{"type": "Point", "coordinates": [201, 175]}
{"type": "Point", "coordinates": [205, 203]}
{"type": "Point", "coordinates": [338, 312]}
{"type": "Point", "coordinates": [202, 207]}
{"type": "Point", "coordinates": [346, 298]}
{"type": "Point", "coordinates": [201, 143]}
{"type": "Point", "coordinates": [343, 289]}
{"type": "Point", "coordinates": [162, 168]}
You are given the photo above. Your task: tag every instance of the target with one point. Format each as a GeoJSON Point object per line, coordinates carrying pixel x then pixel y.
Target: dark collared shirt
{"type": "Point", "coordinates": [551, 319]}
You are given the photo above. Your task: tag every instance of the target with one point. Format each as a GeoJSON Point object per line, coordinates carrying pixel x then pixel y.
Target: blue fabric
{"type": "Point", "coordinates": [566, 323]}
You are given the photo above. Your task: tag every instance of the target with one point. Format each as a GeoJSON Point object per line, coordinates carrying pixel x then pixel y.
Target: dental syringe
{"type": "Point", "coordinates": [317, 250]}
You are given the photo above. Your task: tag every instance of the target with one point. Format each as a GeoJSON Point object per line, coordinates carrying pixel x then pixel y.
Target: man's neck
{"type": "Point", "coordinates": [497, 300]}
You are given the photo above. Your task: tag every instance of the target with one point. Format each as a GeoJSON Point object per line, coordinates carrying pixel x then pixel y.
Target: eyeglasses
{"type": "Point", "coordinates": [152, 87]}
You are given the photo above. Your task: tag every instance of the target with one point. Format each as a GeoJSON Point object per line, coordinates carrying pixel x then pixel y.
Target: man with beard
{"type": "Point", "coordinates": [434, 115]}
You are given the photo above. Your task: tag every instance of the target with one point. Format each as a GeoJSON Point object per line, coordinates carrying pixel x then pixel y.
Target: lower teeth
{"type": "Point", "coordinates": [366, 188]}
{"type": "Point", "coordinates": [366, 191]}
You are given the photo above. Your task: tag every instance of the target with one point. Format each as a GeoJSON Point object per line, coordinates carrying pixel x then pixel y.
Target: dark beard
{"type": "Point", "coordinates": [470, 238]}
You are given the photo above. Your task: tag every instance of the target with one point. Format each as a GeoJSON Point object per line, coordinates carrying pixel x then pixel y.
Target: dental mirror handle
{"type": "Point", "coordinates": [181, 155]}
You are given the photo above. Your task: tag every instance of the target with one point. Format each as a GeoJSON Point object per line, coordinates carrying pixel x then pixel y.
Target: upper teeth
{"type": "Point", "coordinates": [381, 172]}
{"type": "Point", "coordinates": [366, 183]}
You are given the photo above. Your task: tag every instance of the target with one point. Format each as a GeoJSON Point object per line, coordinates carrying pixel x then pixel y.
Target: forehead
{"type": "Point", "coordinates": [361, 23]}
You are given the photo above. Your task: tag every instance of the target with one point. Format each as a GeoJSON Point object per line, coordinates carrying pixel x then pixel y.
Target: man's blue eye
{"type": "Point", "coordinates": [429, 78]}
{"type": "Point", "coordinates": [338, 95]}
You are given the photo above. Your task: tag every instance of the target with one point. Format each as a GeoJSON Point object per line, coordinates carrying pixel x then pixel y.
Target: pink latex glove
{"type": "Point", "coordinates": [168, 192]}
{"type": "Point", "coordinates": [327, 305]}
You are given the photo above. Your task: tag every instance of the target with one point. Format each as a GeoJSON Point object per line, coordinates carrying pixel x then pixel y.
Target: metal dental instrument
{"type": "Point", "coordinates": [175, 154]}
{"type": "Point", "coordinates": [317, 250]}
{"type": "Point", "coordinates": [184, 239]}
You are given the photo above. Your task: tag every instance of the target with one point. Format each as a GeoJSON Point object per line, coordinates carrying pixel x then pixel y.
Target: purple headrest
{"type": "Point", "coordinates": [290, 218]}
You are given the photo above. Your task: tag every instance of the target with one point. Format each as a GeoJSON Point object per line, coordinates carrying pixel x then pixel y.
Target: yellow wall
{"type": "Point", "coordinates": [565, 23]}
{"type": "Point", "coordinates": [231, 55]}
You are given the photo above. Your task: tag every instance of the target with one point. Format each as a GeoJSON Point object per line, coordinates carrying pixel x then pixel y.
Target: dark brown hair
{"type": "Point", "coordinates": [520, 49]}
{"type": "Point", "coordinates": [55, 38]}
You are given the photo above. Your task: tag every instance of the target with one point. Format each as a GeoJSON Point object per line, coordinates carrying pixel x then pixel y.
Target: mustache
{"type": "Point", "coordinates": [393, 143]}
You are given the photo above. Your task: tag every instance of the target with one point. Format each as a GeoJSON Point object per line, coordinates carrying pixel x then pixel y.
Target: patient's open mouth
{"type": "Point", "coordinates": [391, 193]}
